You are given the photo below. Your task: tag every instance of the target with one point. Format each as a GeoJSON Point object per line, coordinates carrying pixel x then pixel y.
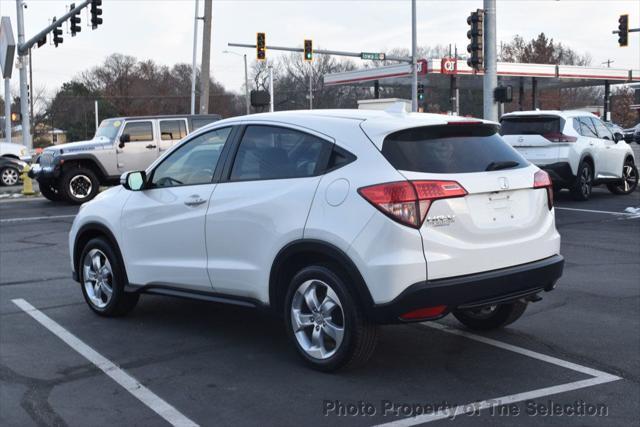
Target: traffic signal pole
{"type": "Point", "coordinates": [414, 59]}
{"type": "Point", "coordinates": [490, 81]}
{"type": "Point", "coordinates": [24, 105]}
{"type": "Point", "coordinates": [194, 61]}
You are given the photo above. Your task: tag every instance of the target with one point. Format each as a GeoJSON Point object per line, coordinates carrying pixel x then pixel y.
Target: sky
{"type": "Point", "coordinates": [162, 30]}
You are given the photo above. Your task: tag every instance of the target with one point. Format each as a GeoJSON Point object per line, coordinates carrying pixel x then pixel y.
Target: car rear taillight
{"type": "Point", "coordinates": [408, 202]}
{"type": "Point", "coordinates": [559, 137]}
{"type": "Point", "coordinates": [542, 180]}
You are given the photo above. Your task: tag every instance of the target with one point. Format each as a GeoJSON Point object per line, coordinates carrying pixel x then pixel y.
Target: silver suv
{"type": "Point", "coordinates": [74, 172]}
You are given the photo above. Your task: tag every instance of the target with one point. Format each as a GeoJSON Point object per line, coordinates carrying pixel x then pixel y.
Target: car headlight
{"type": "Point", "coordinates": [23, 151]}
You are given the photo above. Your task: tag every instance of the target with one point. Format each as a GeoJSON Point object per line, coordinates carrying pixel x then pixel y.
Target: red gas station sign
{"type": "Point", "coordinates": [448, 66]}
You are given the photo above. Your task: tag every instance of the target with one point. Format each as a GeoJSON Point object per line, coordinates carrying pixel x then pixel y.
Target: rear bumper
{"type": "Point", "coordinates": [560, 173]}
{"type": "Point", "coordinates": [491, 287]}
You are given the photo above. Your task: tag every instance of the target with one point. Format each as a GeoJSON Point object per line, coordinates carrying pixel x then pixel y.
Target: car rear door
{"type": "Point", "coordinates": [171, 132]}
{"type": "Point", "coordinates": [262, 205]}
{"type": "Point", "coordinates": [501, 221]}
{"type": "Point", "coordinates": [610, 157]}
{"type": "Point", "coordinates": [163, 226]}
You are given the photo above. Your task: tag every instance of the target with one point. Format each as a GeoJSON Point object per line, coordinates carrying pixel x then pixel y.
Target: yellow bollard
{"type": "Point", "coordinates": [27, 183]}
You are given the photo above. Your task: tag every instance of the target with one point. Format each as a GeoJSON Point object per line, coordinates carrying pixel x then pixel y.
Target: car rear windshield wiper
{"type": "Point", "coordinates": [507, 164]}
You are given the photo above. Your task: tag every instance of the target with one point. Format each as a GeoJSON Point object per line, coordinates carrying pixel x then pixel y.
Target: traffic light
{"type": "Point", "coordinates": [420, 92]}
{"type": "Point", "coordinates": [261, 47]}
{"type": "Point", "coordinates": [96, 12]}
{"type": "Point", "coordinates": [75, 21]}
{"type": "Point", "coordinates": [475, 36]}
{"type": "Point", "coordinates": [16, 117]}
{"type": "Point", "coordinates": [623, 30]}
{"type": "Point", "coordinates": [57, 34]}
{"type": "Point", "coordinates": [308, 50]}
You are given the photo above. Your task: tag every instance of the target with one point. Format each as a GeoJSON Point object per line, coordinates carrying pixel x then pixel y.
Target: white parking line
{"type": "Point", "coordinates": [594, 211]}
{"type": "Point", "coordinates": [133, 386]}
{"type": "Point", "coordinates": [36, 218]}
{"type": "Point", "coordinates": [599, 377]}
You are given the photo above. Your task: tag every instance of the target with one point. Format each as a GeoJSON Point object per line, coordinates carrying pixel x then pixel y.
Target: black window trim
{"type": "Point", "coordinates": [217, 173]}
{"type": "Point", "coordinates": [321, 169]}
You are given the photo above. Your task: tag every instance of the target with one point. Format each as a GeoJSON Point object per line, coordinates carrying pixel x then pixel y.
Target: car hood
{"type": "Point", "coordinates": [80, 146]}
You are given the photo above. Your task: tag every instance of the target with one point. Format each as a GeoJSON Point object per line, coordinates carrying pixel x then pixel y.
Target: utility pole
{"type": "Point", "coordinates": [414, 59]}
{"type": "Point", "coordinates": [32, 131]}
{"type": "Point", "coordinates": [490, 81]}
{"type": "Point", "coordinates": [271, 88]}
{"type": "Point", "coordinates": [247, 100]}
{"type": "Point", "coordinates": [608, 62]}
{"type": "Point", "coordinates": [24, 105]}
{"type": "Point", "coordinates": [206, 57]}
{"type": "Point", "coordinates": [194, 64]}
{"type": "Point", "coordinates": [310, 87]}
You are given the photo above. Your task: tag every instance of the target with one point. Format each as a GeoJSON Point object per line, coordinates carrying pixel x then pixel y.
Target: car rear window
{"type": "Point", "coordinates": [530, 125]}
{"type": "Point", "coordinates": [450, 149]}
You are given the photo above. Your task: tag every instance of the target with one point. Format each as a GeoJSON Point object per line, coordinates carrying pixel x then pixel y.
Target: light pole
{"type": "Point", "coordinates": [246, 79]}
{"type": "Point", "coordinates": [490, 81]}
{"type": "Point", "coordinates": [194, 63]}
{"type": "Point", "coordinates": [414, 59]}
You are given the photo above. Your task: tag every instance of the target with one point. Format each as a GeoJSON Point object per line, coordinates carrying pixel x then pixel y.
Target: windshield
{"type": "Point", "coordinates": [108, 128]}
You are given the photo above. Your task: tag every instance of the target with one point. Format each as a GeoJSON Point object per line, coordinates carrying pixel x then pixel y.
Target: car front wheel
{"type": "Point", "coordinates": [79, 185]}
{"type": "Point", "coordinates": [103, 280]}
{"type": "Point", "coordinates": [629, 180]}
{"type": "Point", "coordinates": [325, 322]}
{"type": "Point", "coordinates": [50, 191]}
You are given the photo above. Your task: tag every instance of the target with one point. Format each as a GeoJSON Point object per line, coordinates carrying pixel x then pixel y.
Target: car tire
{"type": "Point", "coordinates": [103, 279]}
{"type": "Point", "coordinates": [491, 317]}
{"type": "Point", "coordinates": [331, 331]}
{"type": "Point", "coordinates": [50, 191]}
{"type": "Point", "coordinates": [581, 189]}
{"type": "Point", "coordinates": [9, 176]}
{"type": "Point", "coordinates": [629, 179]}
{"type": "Point", "coordinates": [79, 185]}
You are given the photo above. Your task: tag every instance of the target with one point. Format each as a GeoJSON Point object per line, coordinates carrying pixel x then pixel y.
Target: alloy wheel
{"type": "Point", "coordinates": [317, 319]}
{"type": "Point", "coordinates": [80, 186]}
{"type": "Point", "coordinates": [629, 177]}
{"type": "Point", "coordinates": [10, 176]}
{"type": "Point", "coordinates": [98, 278]}
{"type": "Point", "coordinates": [585, 181]}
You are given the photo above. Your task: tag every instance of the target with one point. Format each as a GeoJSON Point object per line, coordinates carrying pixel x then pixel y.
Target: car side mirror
{"type": "Point", "coordinates": [618, 137]}
{"type": "Point", "coordinates": [124, 138]}
{"type": "Point", "coordinates": [134, 181]}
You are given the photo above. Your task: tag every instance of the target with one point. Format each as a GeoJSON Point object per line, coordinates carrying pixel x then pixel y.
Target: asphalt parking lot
{"type": "Point", "coordinates": [182, 362]}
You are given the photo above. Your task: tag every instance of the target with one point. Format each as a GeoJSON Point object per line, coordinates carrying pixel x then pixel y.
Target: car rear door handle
{"type": "Point", "coordinates": [194, 201]}
{"type": "Point", "coordinates": [151, 146]}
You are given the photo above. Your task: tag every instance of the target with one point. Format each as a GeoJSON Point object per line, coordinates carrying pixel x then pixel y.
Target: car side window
{"type": "Point", "coordinates": [602, 130]}
{"type": "Point", "coordinates": [139, 131]}
{"type": "Point", "coordinates": [271, 152]}
{"type": "Point", "coordinates": [171, 130]}
{"type": "Point", "coordinates": [193, 162]}
{"type": "Point", "coordinates": [586, 128]}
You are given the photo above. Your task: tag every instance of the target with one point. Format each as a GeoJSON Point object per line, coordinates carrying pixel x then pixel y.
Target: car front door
{"type": "Point", "coordinates": [163, 226]}
{"type": "Point", "coordinates": [171, 131]}
{"type": "Point", "coordinates": [612, 155]}
{"type": "Point", "coordinates": [136, 145]}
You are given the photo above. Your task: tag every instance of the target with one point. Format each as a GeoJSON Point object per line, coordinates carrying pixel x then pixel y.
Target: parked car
{"type": "Point", "coordinates": [14, 151]}
{"type": "Point", "coordinates": [10, 170]}
{"type": "Point", "coordinates": [74, 172]}
{"type": "Point", "coordinates": [632, 134]}
{"type": "Point", "coordinates": [616, 130]}
{"type": "Point", "coordinates": [337, 220]}
{"type": "Point", "coordinates": [575, 147]}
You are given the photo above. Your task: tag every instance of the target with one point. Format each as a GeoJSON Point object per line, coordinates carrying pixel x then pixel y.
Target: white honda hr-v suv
{"type": "Point", "coordinates": [337, 220]}
{"type": "Point", "coordinates": [575, 147]}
